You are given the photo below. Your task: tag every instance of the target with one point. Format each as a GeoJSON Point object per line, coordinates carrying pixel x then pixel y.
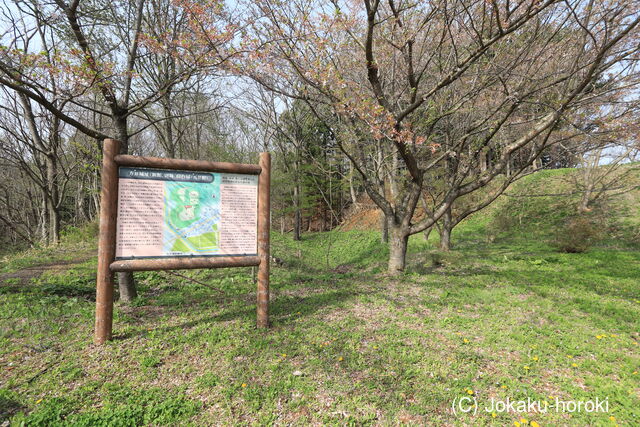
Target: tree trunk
{"type": "Point", "coordinates": [397, 249]}
{"type": "Point", "coordinates": [537, 163]}
{"type": "Point", "coordinates": [44, 219]}
{"type": "Point", "coordinates": [586, 198]}
{"type": "Point", "coordinates": [445, 239]}
{"type": "Point", "coordinates": [126, 284]}
{"type": "Point", "coordinates": [384, 228]}
{"type": "Point", "coordinates": [80, 214]}
{"type": "Point", "coordinates": [49, 185]}
{"type": "Point", "coordinates": [52, 198]}
{"type": "Point", "coordinates": [589, 168]}
{"type": "Point", "coordinates": [445, 231]}
{"type": "Point", "coordinates": [483, 161]}
{"type": "Point", "coordinates": [352, 188]}
{"type": "Point", "coordinates": [168, 127]}
{"type": "Point", "coordinates": [426, 233]}
{"type": "Point", "coordinates": [297, 220]}
{"type": "Point", "coordinates": [95, 194]}
{"type": "Point", "coordinates": [54, 223]}
{"type": "Point", "coordinates": [393, 182]}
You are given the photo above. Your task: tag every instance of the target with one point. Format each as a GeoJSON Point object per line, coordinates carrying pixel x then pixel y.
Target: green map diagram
{"type": "Point", "coordinates": [191, 217]}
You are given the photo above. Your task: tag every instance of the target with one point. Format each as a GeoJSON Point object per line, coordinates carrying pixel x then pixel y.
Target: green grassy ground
{"type": "Point", "coordinates": [512, 319]}
{"type": "Point", "coordinates": [348, 345]}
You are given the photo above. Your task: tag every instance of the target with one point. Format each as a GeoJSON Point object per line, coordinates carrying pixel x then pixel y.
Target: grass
{"type": "Point", "coordinates": [348, 345]}
{"type": "Point", "coordinates": [76, 244]}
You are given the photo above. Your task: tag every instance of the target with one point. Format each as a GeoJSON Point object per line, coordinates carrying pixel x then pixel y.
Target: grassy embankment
{"type": "Point", "coordinates": [512, 318]}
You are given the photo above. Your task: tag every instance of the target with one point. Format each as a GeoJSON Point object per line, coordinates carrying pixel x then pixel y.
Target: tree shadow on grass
{"type": "Point", "coordinates": [280, 308]}
{"type": "Point", "coordinates": [51, 290]}
{"type": "Point", "coordinates": [583, 293]}
{"type": "Point", "coordinates": [8, 407]}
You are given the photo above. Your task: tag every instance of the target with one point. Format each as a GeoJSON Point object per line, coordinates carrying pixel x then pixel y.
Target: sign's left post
{"type": "Point", "coordinates": [106, 240]}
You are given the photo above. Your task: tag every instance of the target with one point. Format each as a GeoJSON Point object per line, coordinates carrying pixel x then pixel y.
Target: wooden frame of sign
{"type": "Point", "coordinates": [129, 238]}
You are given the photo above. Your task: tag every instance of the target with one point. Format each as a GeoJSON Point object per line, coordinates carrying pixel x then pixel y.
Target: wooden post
{"type": "Point", "coordinates": [106, 241]}
{"type": "Point", "coordinates": [184, 164]}
{"type": "Point", "coordinates": [264, 184]}
{"type": "Point", "coordinates": [183, 263]}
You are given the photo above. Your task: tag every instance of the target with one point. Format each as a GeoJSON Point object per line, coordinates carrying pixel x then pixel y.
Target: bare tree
{"type": "Point", "coordinates": [608, 147]}
{"type": "Point", "coordinates": [385, 69]}
{"type": "Point", "coordinates": [101, 44]}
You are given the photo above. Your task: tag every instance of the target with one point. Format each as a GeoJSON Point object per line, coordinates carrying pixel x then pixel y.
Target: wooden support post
{"type": "Point", "coordinates": [183, 263]}
{"type": "Point", "coordinates": [184, 164]}
{"type": "Point", "coordinates": [106, 241]}
{"type": "Point", "coordinates": [264, 184]}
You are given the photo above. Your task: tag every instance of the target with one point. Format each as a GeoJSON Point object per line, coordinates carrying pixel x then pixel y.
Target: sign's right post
{"type": "Point", "coordinates": [264, 184]}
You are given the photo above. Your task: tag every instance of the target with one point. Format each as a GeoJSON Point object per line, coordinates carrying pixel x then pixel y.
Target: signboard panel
{"type": "Point", "coordinates": [175, 213]}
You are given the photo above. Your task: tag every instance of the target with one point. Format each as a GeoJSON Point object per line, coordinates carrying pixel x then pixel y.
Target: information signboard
{"type": "Point", "coordinates": [168, 213]}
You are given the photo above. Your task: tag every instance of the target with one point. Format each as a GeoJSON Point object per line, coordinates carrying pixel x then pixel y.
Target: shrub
{"type": "Point", "coordinates": [576, 235]}
{"type": "Point", "coordinates": [80, 234]}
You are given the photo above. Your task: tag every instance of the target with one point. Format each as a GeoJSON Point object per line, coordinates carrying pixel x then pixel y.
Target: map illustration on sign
{"type": "Point", "coordinates": [181, 213]}
{"type": "Point", "coordinates": [192, 218]}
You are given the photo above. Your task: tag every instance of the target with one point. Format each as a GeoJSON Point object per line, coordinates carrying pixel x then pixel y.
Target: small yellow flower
{"type": "Point", "coordinates": [526, 368]}
{"type": "Point", "coordinates": [569, 356]}
{"type": "Point", "coordinates": [493, 414]}
{"type": "Point", "coordinates": [551, 397]}
{"type": "Point", "coordinates": [635, 372]}
{"type": "Point", "coordinates": [575, 365]}
{"type": "Point", "coordinates": [503, 386]}
{"type": "Point", "coordinates": [535, 358]}
{"type": "Point", "coordinates": [458, 333]}
{"type": "Point", "coordinates": [469, 391]}
{"type": "Point", "coordinates": [465, 340]}
{"type": "Point", "coordinates": [244, 385]}
{"type": "Point", "coordinates": [534, 424]}
{"type": "Point", "coordinates": [284, 354]}
{"type": "Point", "coordinates": [517, 424]}
{"type": "Point", "coordinates": [612, 418]}
{"type": "Point", "coordinates": [375, 347]}
{"type": "Point", "coordinates": [599, 337]}
{"type": "Point", "coordinates": [340, 359]}
{"type": "Point", "coordinates": [524, 421]}
{"type": "Point", "coordinates": [38, 401]}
